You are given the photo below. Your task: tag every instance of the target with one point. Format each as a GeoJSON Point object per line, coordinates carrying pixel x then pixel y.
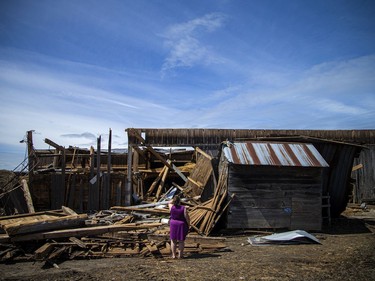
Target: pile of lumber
{"type": "Point", "coordinates": [63, 234]}
{"type": "Point", "coordinates": [205, 216]}
{"type": "Point", "coordinates": [139, 230]}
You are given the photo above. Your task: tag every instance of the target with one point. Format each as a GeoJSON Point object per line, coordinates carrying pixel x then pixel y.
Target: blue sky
{"type": "Point", "coordinates": [70, 70]}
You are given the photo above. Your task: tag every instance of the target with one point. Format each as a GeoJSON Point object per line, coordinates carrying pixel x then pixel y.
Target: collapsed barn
{"type": "Point", "coordinates": [158, 159]}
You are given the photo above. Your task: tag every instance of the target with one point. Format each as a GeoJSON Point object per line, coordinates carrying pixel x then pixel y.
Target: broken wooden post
{"type": "Point", "coordinates": [155, 182]}
{"type": "Point", "coordinates": [97, 184]}
{"type": "Point", "coordinates": [30, 156]}
{"type": "Point", "coordinates": [118, 193]}
{"type": "Point", "coordinates": [109, 168]}
{"type": "Point", "coordinates": [128, 187]}
{"type": "Point", "coordinates": [91, 185]}
{"type": "Point", "coordinates": [26, 193]}
{"type": "Point", "coordinates": [162, 182]}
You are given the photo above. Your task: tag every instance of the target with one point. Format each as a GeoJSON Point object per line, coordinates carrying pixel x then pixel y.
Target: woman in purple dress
{"type": "Point", "coordinates": [179, 226]}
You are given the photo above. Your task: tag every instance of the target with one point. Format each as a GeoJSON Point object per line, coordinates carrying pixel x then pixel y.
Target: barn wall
{"type": "Point", "coordinates": [365, 176]}
{"type": "Point", "coordinates": [213, 137]}
{"type": "Point", "coordinates": [51, 191]}
{"type": "Point", "coordinates": [275, 197]}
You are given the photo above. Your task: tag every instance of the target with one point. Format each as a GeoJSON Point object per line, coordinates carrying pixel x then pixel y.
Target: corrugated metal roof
{"type": "Point", "coordinates": [274, 154]}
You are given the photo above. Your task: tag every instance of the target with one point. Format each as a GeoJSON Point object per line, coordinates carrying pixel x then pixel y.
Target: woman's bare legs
{"type": "Point", "coordinates": [173, 248]}
{"type": "Point", "coordinates": [181, 246]}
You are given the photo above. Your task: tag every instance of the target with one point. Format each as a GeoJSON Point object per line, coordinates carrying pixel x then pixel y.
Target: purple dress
{"type": "Point", "coordinates": [178, 225]}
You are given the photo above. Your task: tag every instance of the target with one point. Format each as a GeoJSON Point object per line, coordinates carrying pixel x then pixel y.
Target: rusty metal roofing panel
{"type": "Point", "coordinates": [274, 154]}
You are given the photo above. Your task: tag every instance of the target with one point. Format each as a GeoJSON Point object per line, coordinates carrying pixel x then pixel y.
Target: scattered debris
{"type": "Point", "coordinates": [285, 238]}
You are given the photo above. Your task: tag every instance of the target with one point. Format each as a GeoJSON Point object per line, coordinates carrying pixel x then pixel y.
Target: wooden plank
{"type": "Point", "coordinates": [157, 155]}
{"type": "Point", "coordinates": [78, 242]}
{"type": "Point", "coordinates": [203, 153]}
{"type": "Point", "coordinates": [5, 219]}
{"type": "Point", "coordinates": [44, 225]}
{"type": "Point", "coordinates": [155, 182]}
{"type": "Point", "coordinates": [68, 211]}
{"type": "Point", "coordinates": [80, 232]}
{"type": "Point", "coordinates": [42, 252]}
{"type": "Point", "coordinates": [161, 184]}
{"type": "Point", "coordinates": [141, 210]}
{"type": "Point", "coordinates": [53, 144]}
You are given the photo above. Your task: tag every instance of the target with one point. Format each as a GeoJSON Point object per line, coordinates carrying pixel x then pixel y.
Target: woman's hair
{"type": "Point", "coordinates": [176, 200]}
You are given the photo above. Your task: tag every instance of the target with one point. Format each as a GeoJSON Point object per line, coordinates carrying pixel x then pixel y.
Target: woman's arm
{"type": "Point", "coordinates": [170, 204]}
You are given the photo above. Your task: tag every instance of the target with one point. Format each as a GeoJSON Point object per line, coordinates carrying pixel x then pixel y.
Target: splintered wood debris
{"type": "Point", "coordinates": [139, 230]}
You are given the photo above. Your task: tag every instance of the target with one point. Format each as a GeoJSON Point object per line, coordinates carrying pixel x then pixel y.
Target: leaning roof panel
{"type": "Point", "coordinates": [274, 154]}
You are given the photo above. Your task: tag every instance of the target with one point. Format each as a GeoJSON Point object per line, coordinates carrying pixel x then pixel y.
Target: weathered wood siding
{"type": "Point", "coordinates": [275, 197]}
{"type": "Point", "coordinates": [51, 191]}
{"type": "Point", "coordinates": [365, 176]}
{"type": "Point", "coordinates": [339, 156]}
{"type": "Point", "coordinates": [213, 137]}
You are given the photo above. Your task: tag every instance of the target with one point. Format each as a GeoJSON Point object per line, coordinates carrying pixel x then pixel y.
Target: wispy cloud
{"type": "Point", "coordinates": [332, 95]}
{"type": "Point", "coordinates": [52, 102]}
{"type": "Point", "coordinates": [186, 48]}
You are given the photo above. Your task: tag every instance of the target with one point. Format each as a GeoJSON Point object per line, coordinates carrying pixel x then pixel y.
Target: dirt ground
{"type": "Point", "coordinates": [347, 252]}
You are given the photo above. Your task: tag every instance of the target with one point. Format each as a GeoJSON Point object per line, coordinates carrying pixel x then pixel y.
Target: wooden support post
{"type": "Point", "coordinates": [109, 168]}
{"type": "Point", "coordinates": [63, 191]}
{"type": "Point", "coordinates": [128, 187]}
{"type": "Point", "coordinates": [31, 156]}
{"type": "Point", "coordinates": [56, 159]}
{"type": "Point", "coordinates": [109, 164]}
{"type": "Point", "coordinates": [72, 164]}
{"type": "Point", "coordinates": [26, 193]}
{"type": "Point", "coordinates": [155, 182]}
{"type": "Point", "coordinates": [118, 193]}
{"type": "Point", "coordinates": [162, 182]}
{"type": "Point", "coordinates": [91, 185]}
{"type": "Point", "coordinates": [157, 155]}
{"type": "Point", "coordinates": [136, 189]}
{"type": "Point", "coordinates": [98, 163]}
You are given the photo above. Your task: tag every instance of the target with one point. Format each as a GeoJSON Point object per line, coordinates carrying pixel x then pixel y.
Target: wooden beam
{"type": "Point", "coordinates": [81, 232]}
{"type": "Point", "coordinates": [141, 210]}
{"type": "Point", "coordinates": [53, 144]}
{"type": "Point", "coordinates": [19, 228]}
{"type": "Point", "coordinates": [27, 195]}
{"type": "Point", "coordinates": [203, 153]}
{"type": "Point", "coordinates": [129, 183]}
{"type": "Point", "coordinates": [149, 148]}
{"type": "Point", "coordinates": [98, 174]}
{"type": "Point", "coordinates": [357, 167]}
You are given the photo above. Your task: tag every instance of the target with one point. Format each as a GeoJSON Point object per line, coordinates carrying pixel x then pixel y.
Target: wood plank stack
{"type": "Point", "coordinates": [105, 234]}
{"type": "Point", "coordinates": [204, 217]}
{"type": "Point", "coordinates": [200, 175]}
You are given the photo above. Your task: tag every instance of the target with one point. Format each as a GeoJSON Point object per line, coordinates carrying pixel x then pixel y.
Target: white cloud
{"type": "Point", "coordinates": [335, 95]}
{"type": "Point", "coordinates": [184, 44]}
{"type": "Point", "coordinates": [53, 103]}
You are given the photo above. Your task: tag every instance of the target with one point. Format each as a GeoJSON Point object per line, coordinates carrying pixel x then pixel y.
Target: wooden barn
{"type": "Point", "coordinates": [276, 185]}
